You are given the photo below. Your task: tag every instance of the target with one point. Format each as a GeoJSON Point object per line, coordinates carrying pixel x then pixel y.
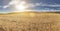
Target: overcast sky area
{"type": "Point", "coordinates": [33, 5]}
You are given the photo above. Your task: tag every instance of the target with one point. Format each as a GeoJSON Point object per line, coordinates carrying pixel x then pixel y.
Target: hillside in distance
{"type": "Point", "coordinates": [30, 21]}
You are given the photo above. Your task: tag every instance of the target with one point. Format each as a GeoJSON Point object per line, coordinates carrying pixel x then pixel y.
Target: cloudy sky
{"type": "Point", "coordinates": [33, 5]}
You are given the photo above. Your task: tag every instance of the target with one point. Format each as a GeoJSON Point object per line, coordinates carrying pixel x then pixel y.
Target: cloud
{"type": "Point", "coordinates": [43, 4]}
{"type": "Point", "coordinates": [51, 5]}
{"type": "Point", "coordinates": [0, 6]}
{"type": "Point", "coordinates": [6, 6]}
{"type": "Point", "coordinates": [14, 2]}
{"type": "Point", "coordinates": [28, 5]}
{"type": "Point", "coordinates": [46, 10]}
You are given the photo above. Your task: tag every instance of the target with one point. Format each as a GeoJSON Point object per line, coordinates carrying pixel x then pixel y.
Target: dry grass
{"type": "Point", "coordinates": [30, 22]}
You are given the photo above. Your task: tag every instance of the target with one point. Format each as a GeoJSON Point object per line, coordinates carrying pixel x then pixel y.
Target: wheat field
{"type": "Point", "coordinates": [30, 21]}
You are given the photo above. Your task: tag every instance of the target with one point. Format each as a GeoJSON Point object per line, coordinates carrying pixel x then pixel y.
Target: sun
{"type": "Point", "coordinates": [20, 7]}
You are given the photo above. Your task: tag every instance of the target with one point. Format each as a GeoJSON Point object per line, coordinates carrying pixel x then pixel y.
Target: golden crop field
{"type": "Point", "coordinates": [30, 21]}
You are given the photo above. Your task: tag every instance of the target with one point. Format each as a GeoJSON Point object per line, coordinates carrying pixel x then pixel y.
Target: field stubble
{"type": "Point", "coordinates": [30, 22]}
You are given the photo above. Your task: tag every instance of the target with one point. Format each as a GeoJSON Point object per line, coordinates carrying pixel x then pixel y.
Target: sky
{"type": "Point", "coordinates": [31, 5]}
